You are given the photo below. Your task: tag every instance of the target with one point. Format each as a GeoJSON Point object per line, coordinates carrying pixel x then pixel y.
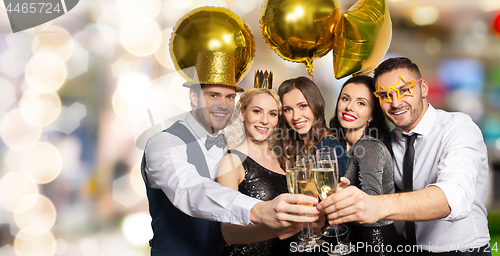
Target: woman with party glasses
{"type": "Point", "coordinates": [365, 134]}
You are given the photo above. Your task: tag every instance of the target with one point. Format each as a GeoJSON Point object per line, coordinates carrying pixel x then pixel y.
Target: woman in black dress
{"type": "Point", "coordinates": [365, 134]}
{"type": "Point", "coordinates": [251, 168]}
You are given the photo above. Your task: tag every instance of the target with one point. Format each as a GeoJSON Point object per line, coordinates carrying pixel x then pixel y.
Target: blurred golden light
{"type": "Point", "coordinates": [16, 132]}
{"type": "Point", "coordinates": [42, 161]}
{"type": "Point", "coordinates": [296, 14]}
{"type": "Point", "coordinates": [109, 15]}
{"type": "Point", "coordinates": [8, 95]}
{"type": "Point", "coordinates": [62, 247]}
{"type": "Point", "coordinates": [137, 181]}
{"type": "Point", "coordinates": [14, 186]}
{"type": "Point", "coordinates": [33, 240]}
{"type": "Point", "coordinates": [39, 108]}
{"type": "Point", "coordinates": [55, 40]}
{"type": "Point", "coordinates": [182, 5]}
{"type": "Point", "coordinates": [221, 3]}
{"type": "Point", "coordinates": [488, 5]}
{"type": "Point", "coordinates": [299, 11]}
{"type": "Point", "coordinates": [42, 213]}
{"type": "Point", "coordinates": [433, 46]}
{"type": "Point", "coordinates": [45, 72]}
{"type": "Point", "coordinates": [214, 44]}
{"type": "Point", "coordinates": [290, 17]}
{"type": "Point", "coordinates": [227, 38]}
{"type": "Point", "coordinates": [245, 6]}
{"type": "Point", "coordinates": [126, 112]}
{"type": "Point", "coordinates": [137, 228]}
{"type": "Point", "coordinates": [107, 32]}
{"type": "Point", "coordinates": [133, 87]}
{"type": "Point", "coordinates": [162, 55]}
{"type": "Point", "coordinates": [12, 159]}
{"type": "Point", "coordinates": [147, 8]}
{"type": "Point", "coordinates": [140, 36]}
{"type": "Point", "coordinates": [39, 28]}
{"type": "Point", "coordinates": [422, 16]}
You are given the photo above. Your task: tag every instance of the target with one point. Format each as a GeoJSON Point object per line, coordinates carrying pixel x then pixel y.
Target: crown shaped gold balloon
{"type": "Point", "coordinates": [263, 79]}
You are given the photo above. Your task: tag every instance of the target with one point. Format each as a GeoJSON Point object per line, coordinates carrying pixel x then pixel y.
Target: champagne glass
{"type": "Point", "coordinates": [291, 183]}
{"type": "Point", "coordinates": [305, 186]}
{"type": "Point", "coordinates": [291, 167]}
{"type": "Point", "coordinates": [326, 176]}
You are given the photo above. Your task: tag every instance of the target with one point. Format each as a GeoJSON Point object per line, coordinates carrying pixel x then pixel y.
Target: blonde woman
{"type": "Point", "coordinates": [251, 168]}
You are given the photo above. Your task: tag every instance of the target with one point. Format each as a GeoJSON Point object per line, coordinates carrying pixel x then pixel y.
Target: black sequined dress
{"type": "Point", "coordinates": [263, 184]}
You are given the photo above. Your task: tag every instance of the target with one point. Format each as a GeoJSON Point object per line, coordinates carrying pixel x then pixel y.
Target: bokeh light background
{"type": "Point", "coordinates": [80, 95]}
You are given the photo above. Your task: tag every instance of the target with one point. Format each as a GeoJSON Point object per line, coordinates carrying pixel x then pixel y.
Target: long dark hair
{"type": "Point", "coordinates": [291, 142]}
{"type": "Point", "coordinates": [377, 128]}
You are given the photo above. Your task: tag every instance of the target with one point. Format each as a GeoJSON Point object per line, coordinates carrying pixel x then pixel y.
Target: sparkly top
{"type": "Point", "coordinates": [369, 167]}
{"type": "Point", "coordinates": [263, 184]}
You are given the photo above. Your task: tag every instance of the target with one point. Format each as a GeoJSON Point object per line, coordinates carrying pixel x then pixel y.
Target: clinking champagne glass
{"type": "Point", "coordinates": [326, 176]}
{"type": "Point", "coordinates": [305, 186]}
{"type": "Point", "coordinates": [291, 182]}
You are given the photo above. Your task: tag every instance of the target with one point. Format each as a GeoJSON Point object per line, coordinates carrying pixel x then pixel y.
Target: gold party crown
{"type": "Point", "coordinates": [263, 79]}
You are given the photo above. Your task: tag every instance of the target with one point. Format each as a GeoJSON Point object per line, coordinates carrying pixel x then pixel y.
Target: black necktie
{"type": "Point", "coordinates": [408, 183]}
{"type": "Point", "coordinates": [217, 141]}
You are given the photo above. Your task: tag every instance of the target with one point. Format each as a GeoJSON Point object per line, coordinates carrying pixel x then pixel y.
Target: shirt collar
{"type": "Point", "coordinates": [425, 125]}
{"type": "Point", "coordinates": [196, 127]}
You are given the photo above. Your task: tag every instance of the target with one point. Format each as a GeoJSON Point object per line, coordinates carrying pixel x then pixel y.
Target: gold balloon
{"type": "Point", "coordinates": [211, 29]}
{"type": "Point", "coordinates": [299, 30]}
{"type": "Point", "coordinates": [362, 38]}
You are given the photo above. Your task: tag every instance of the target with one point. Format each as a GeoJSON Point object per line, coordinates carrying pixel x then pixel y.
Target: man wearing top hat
{"type": "Point", "coordinates": [180, 164]}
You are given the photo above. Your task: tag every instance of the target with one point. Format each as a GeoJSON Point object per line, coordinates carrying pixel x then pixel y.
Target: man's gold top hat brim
{"type": "Point", "coordinates": [215, 68]}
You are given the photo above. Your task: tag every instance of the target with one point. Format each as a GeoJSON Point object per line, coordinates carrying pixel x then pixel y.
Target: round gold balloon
{"type": "Point", "coordinates": [299, 30]}
{"type": "Point", "coordinates": [362, 38]}
{"type": "Point", "coordinates": [211, 29]}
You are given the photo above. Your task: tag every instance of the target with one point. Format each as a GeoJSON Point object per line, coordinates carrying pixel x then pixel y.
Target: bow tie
{"type": "Point", "coordinates": [218, 141]}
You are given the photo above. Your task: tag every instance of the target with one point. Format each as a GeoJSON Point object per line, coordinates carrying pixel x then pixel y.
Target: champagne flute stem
{"type": "Point", "coordinates": [336, 233]}
{"type": "Point", "coordinates": [309, 229]}
{"type": "Point", "coordinates": [310, 232]}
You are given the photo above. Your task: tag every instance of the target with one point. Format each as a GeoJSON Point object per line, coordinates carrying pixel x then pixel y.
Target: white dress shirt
{"type": "Point", "coordinates": [449, 153]}
{"type": "Point", "coordinates": [167, 168]}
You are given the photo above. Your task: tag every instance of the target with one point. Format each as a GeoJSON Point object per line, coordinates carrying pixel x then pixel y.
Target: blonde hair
{"type": "Point", "coordinates": [235, 131]}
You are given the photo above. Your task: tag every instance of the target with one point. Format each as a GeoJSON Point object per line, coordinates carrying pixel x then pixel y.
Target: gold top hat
{"type": "Point", "coordinates": [215, 68]}
{"type": "Point", "coordinates": [263, 79]}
